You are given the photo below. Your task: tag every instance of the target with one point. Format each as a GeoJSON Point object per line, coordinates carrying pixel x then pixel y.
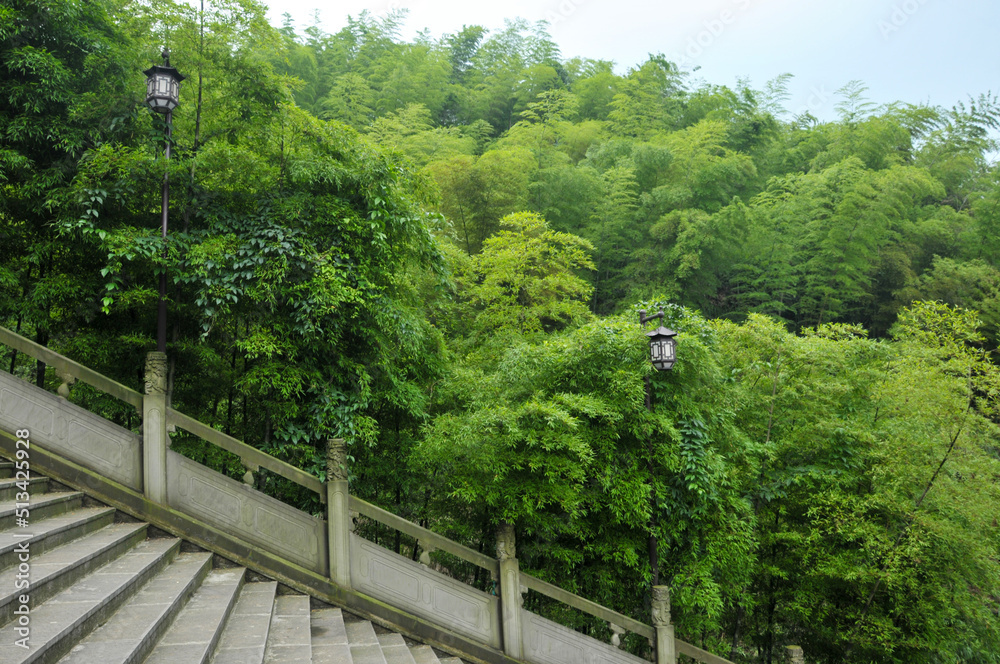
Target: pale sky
{"type": "Point", "coordinates": [936, 51]}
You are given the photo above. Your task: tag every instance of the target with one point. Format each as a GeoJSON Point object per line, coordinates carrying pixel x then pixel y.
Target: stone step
{"type": "Point", "coordinates": [424, 655]}
{"type": "Point", "coordinates": [245, 635]}
{"type": "Point", "coordinates": [55, 570]}
{"type": "Point", "coordinates": [9, 487]}
{"type": "Point", "coordinates": [394, 649]}
{"type": "Point", "coordinates": [451, 660]}
{"type": "Point", "coordinates": [46, 534]}
{"type": "Point", "coordinates": [6, 469]}
{"type": "Point", "coordinates": [196, 631]}
{"type": "Point", "coordinates": [40, 507]}
{"type": "Point", "coordinates": [365, 648]}
{"type": "Point", "coordinates": [289, 639]}
{"type": "Point", "coordinates": [130, 634]}
{"type": "Point", "coordinates": [329, 637]}
{"type": "Point", "coordinates": [58, 623]}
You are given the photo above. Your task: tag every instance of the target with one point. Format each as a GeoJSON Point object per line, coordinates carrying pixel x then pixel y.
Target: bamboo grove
{"type": "Point", "coordinates": [436, 249]}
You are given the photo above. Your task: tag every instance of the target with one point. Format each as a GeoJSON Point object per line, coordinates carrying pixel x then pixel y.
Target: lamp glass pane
{"type": "Point", "coordinates": [662, 351]}
{"type": "Point", "coordinates": [162, 91]}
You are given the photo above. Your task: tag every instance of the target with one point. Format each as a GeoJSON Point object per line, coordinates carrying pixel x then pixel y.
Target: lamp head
{"type": "Point", "coordinates": [662, 348]}
{"type": "Point", "coordinates": [163, 86]}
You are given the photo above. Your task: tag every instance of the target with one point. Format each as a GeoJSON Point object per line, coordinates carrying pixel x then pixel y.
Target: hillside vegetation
{"type": "Point", "coordinates": [437, 250]}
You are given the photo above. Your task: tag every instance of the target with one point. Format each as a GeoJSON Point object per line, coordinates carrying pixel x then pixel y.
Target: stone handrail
{"type": "Point", "coordinates": [697, 654]}
{"type": "Point", "coordinates": [250, 456]}
{"type": "Point", "coordinates": [585, 605]}
{"type": "Point", "coordinates": [428, 539]}
{"type": "Point", "coordinates": [65, 366]}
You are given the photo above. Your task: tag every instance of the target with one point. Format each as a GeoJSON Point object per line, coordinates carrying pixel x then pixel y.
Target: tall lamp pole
{"type": "Point", "coordinates": [163, 85]}
{"type": "Point", "coordinates": [663, 354]}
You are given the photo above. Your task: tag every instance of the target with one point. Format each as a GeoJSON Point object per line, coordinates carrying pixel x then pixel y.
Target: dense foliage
{"type": "Point", "coordinates": [437, 250]}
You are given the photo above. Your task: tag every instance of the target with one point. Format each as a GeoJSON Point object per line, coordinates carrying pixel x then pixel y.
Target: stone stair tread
{"type": "Point", "coordinates": [196, 630]}
{"type": "Point", "coordinates": [390, 639]}
{"type": "Point", "coordinates": [360, 632]}
{"type": "Point", "coordinates": [329, 637]}
{"type": "Point", "coordinates": [8, 486]}
{"type": "Point", "coordinates": [39, 501]}
{"type": "Point", "coordinates": [37, 482]}
{"type": "Point", "coordinates": [367, 654]}
{"type": "Point", "coordinates": [289, 640]}
{"type": "Point", "coordinates": [365, 648]}
{"type": "Point", "coordinates": [130, 631]}
{"type": "Point", "coordinates": [394, 649]}
{"type": "Point", "coordinates": [44, 528]}
{"type": "Point", "coordinates": [245, 635]}
{"type": "Point", "coordinates": [451, 660]}
{"type": "Point", "coordinates": [424, 654]}
{"type": "Point", "coordinates": [67, 558]}
{"type": "Point", "coordinates": [77, 609]}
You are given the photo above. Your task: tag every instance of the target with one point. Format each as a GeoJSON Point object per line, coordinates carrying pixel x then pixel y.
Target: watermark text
{"type": "Point", "coordinates": [22, 514]}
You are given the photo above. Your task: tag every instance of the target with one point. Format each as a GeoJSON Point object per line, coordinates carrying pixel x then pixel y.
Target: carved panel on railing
{"type": "Point", "coordinates": [246, 513]}
{"type": "Point", "coordinates": [547, 642]}
{"type": "Point", "coordinates": [71, 431]}
{"type": "Point", "coordinates": [411, 586]}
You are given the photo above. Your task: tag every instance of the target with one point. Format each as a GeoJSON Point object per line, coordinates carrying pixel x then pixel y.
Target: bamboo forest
{"type": "Point", "coordinates": [437, 249]}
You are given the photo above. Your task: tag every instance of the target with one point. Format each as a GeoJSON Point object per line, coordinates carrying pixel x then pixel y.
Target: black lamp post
{"type": "Point", "coordinates": [663, 354]}
{"type": "Point", "coordinates": [163, 87]}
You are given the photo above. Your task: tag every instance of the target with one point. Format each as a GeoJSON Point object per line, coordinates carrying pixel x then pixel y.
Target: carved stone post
{"type": "Point", "coordinates": [510, 592]}
{"type": "Point", "coordinates": [248, 477]}
{"type": "Point", "coordinates": [425, 552]}
{"type": "Point", "coordinates": [794, 655]}
{"type": "Point", "coordinates": [616, 635]}
{"type": "Point", "coordinates": [338, 516]}
{"type": "Point", "coordinates": [154, 429]}
{"type": "Point", "coordinates": [666, 652]}
{"type": "Point", "coordinates": [67, 381]}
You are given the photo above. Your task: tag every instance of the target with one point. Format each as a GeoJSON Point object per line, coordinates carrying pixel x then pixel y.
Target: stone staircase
{"type": "Point", "coordinates": [108, 589]}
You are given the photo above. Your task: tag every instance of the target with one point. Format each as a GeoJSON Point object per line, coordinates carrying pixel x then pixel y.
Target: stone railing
{"type": "Point", "coordinates": [326, 547]}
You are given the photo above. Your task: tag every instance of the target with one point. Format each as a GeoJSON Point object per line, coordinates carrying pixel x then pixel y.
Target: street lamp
{"type": "Point", "coordinates": [663, 354]}
{"type": "Point", "coordinates": [163, 88]}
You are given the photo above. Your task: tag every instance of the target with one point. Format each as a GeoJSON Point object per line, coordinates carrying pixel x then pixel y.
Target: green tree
{"type": "Point", "coordinates": [596, 88]}
{"type": "Point", "coordinates": [525, 279]}
{"type": "Point", "coordinates": [69, 86]}
{"type": "Point", "coordinates": [351, 100]}
{"type": "Point", "coordinates": [973, 285]}
{"type": "Point", "coordinates": [614, 234]}
{"type": "Point", "coordinates": [859, 213]}
{"type": "Point", "coordinates": [554, 436]}
{"type": "Point", "coordinates": [648, 100]}
{"type": "Point", "coordinates": [868, 487]}
{"type": "Point", "coordinates": [477, 192]}
{"type": "Point", "coordinates": [296, 239]}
